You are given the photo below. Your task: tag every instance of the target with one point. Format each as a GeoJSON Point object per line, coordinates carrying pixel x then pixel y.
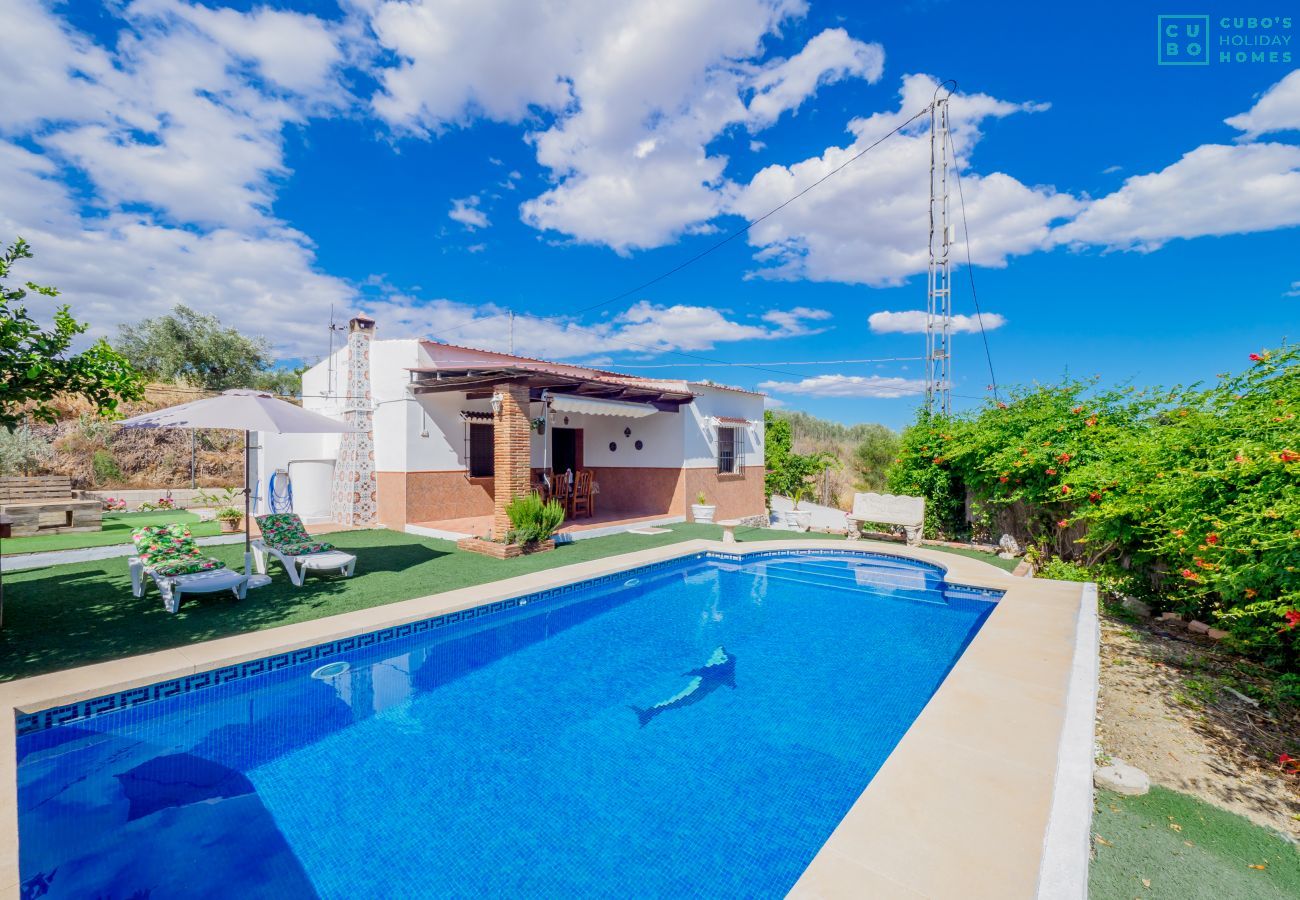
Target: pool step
{"type": "Point", "coordinates": [881, 579]}
{"type": "Point", "coordinates": [935, 598]}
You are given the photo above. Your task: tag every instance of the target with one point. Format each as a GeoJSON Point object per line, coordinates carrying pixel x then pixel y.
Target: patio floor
{"type": "Point", "coordinates": [605, 522]}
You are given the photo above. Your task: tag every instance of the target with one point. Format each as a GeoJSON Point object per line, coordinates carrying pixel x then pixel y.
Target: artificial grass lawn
{"type": "Point", "coordinates": [57, 617]}
{"type": "Point", "coordinates": [117, 530]}
{"type": "Point", "coordinates": [1212, 853]}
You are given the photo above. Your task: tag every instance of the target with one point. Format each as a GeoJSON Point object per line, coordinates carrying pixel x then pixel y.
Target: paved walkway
{"type": "Point", "coordinates": [822, 516]}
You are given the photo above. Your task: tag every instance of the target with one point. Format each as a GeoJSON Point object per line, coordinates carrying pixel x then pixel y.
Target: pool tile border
{"type": "Point", "coordinates": [28, 723]}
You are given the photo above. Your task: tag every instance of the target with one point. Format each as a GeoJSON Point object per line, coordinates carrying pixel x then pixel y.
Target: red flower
{"type": "Point", "coordinates": [1064, 523]}
{"type": "Point", "coordinates": [1051, 471]}
{"type": "Point", "coordinates": [1178, 532]}
{"type": "Point", "coordinates": [1002, 478]}
{"type": "Point", "coordinates": [1095, 497]}
{"type": "Point", "coordinates": [1251, 593]}
{"type": "Point", "coordinates": [1001, 405]}
{"type": "Point", "coordinates": [1065, 489]}
{"type": "Point", "coordinates": [1211, 538]}
{"type": "Point", "coordinates": [1064, 457]}
{"type": "Point", "coordinates": [1077, 410]}
{"type": "Point", "coordinates": [1092, 420]}
{"type": "Point", "coordinates": [1190, 575]}
{"type": "Point", "coordinates": [1255, 357]}
{"type": "Point", "coordinates": [1292, 617]}
{"type": "Point", "coordinates": [1285, 758]}
{"type": "Point", "coordinates": [1288, 456]}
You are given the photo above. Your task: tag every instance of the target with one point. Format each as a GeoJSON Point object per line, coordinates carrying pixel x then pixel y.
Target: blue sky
{"type": "Point", "coordinates": [438, 162]}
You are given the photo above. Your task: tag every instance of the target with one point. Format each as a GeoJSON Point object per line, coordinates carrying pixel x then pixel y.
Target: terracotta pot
{"type": "Point", "coordinates": [230, 526]}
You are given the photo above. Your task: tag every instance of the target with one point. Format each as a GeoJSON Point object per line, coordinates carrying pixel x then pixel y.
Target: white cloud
{"type": "Point", "coordinates": [914, 322]}
{"type": "Point", "coordinates": [627, 96]}
{"type": "Point", "coordinates": [645, 326]}
{"type": "Point", "coordinates": [1295, 290]}
{"type": "Point", "coordinates": [683, 327]}
{"type": "Point", "coordinates": [867, 224]}
{"type": "Point", "coordinates": [466, 211]}
{"type": "Point", "coordinates": [1111, 170]}
{"type": "Point", "coordinates": [171, 118]}
{"type": "Point", "coordinates": [1215, 189]}
{"type": "Point", "coordinates": [123, 267]}
{"type": "Point", "coordinates": [1277, 110]}
{"type": "Point", "coordinates": [848, 386]}
{"type": "Point", "coordinates": [829, 57]}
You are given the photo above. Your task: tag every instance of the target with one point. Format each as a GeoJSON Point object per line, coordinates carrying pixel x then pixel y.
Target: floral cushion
{"type": "Point", "coordinates": [169, 550]}
{"type": "Point", "coordinates": [305, 548]}
{"type": "Point", "coordinates": [285, 532]}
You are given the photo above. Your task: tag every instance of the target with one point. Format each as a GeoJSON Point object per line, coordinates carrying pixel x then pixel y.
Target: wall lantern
{"type": "Point", "coordinates": [497, 398]}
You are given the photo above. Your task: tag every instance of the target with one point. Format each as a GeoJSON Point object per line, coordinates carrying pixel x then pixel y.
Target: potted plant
{"type": "Point", "coordinates": [801, 519]}
{"type": "Point", "coordinates": [231, 519]}
{"type": "Point", "coordinates": [702, 510]}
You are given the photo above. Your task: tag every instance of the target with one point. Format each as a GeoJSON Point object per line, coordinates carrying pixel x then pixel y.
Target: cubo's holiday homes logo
{"type": "Point", "coordinates": [1195, 40]}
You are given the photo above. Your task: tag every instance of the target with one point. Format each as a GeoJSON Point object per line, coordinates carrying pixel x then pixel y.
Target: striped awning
{"type": "Point", "coordinates": [594, 406]}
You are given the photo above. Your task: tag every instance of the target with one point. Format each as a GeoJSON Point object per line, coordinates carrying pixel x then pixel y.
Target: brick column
{"type": "Point", "coordinates": [512, 454]}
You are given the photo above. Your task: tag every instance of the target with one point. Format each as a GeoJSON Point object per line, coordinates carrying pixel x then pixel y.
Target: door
{"type": "Point", "coordinates": [566, 449]}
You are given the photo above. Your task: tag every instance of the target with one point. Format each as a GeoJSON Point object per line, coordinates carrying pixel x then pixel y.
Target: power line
{"type": "Point", "coordinates": [812, 362]}
{"type": "Point", "coordinates": [970, 268]}
{"type": "Point", "coordinates": [710, 359]}
{"type": "Point", "coordinates": [716, 245]}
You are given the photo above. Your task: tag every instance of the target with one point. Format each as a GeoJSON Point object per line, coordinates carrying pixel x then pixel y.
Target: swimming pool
{"type": "Point", "coordinates": [698, 727]}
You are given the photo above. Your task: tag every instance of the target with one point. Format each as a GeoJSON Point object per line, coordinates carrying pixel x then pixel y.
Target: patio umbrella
{"type": "Point", "coordinates": [246, 411]}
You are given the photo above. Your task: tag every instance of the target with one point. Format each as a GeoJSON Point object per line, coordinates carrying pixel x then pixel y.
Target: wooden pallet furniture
{"type": "Point", "coordinates": [46, 504]}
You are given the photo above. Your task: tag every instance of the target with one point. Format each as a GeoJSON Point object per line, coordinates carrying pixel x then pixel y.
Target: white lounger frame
{"type": "Point", "coordinates": [173, 586]}
{"type": "Point", "coordinates": [298, 566]}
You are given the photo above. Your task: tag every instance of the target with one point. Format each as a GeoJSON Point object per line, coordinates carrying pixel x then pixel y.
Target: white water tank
{"type": "Point", "coordinates": [311, 480]}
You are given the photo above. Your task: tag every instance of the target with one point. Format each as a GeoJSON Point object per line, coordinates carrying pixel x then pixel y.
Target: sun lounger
{"type": "Point", "coordinates": [285, 538]}
{"type": "Point", "coordinates": [168, 556]}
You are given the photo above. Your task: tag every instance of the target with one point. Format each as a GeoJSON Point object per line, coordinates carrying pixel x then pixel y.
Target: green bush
{"type": "Point", "coordinates": [1060, 570]}
{"type": "Point", "coordinates": [1188, 496]}
{"type": "Point", "coordinates": [533, 520]}
{"type": "Point", "coordinates": [21, 451]}
{"type": "Point", "coordinates": [105, 466]}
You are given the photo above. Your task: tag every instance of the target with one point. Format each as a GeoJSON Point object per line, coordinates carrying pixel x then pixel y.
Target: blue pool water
{"type": "Point", "coordinates": [698, 731]}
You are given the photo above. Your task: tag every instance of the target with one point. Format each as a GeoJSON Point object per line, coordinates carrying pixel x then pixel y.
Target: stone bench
{"type": "Point", "coordinates": [888, 509]}
{"type": "Point", "coordinates": [47, 505]}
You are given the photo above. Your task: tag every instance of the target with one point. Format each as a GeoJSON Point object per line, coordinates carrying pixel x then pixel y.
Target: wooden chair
{"type": "Point", "coordinates": [581, 501]}
{"type": "Point", "coordinates": [561, 491]}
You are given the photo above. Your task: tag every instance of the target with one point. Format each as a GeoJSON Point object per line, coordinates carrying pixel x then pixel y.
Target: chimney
{"type": "Point", "coordinates": [355, 499]}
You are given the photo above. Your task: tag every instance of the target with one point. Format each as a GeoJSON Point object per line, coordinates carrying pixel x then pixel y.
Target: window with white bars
{"type": "Point", "coordinates": [731, 450]}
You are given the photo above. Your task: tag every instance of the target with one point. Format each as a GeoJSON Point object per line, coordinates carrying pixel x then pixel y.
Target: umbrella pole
{"type": "Point", "coordinates": [254, 581]}
{"type": "Point", "coordinates": [248, 523]}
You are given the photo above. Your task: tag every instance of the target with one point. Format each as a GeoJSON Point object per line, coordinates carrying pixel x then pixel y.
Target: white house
{"type": "Point", "coordinates": [448, 435]}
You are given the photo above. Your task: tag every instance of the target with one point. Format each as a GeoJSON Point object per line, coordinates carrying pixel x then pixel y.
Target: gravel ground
{"type": "Point", "coordinates": [1176, 706]}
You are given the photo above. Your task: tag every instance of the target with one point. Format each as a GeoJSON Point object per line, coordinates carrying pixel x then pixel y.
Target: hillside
{"type": "Point", "coordinates": [861, 453]}
{"type": "Point", "coordinates": [97, 454]}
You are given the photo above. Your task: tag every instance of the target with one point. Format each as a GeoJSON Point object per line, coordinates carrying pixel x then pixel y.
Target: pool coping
{"type": "Point", "coordinates": [1002, 708]}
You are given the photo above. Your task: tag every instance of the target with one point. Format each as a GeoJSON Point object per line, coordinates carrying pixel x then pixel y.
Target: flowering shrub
{"type": "Point", "coordinates": [114, 504]}
{"type": "Point", "coordinates": [1189, 496]}
{"type": "Point", "coordinates": [160, 503]}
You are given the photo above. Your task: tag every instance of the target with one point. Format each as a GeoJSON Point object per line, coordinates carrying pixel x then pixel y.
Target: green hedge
{"type": "Point", "coordinates": [1188, 496]}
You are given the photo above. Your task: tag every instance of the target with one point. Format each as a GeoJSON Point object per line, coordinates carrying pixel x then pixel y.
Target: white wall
{"type": "Point", "coordinates": [701, 432]}
{"type": "Point", "coordinates": [660, 435]}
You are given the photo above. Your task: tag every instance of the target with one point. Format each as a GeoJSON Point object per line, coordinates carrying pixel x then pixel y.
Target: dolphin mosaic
{"type": "Point", "coordinates": [719, 670]}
